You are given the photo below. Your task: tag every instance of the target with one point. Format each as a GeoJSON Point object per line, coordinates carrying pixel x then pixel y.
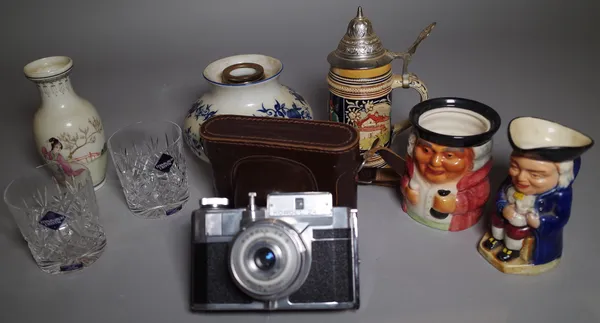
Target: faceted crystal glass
{"type": "Point", "coordinates": [55, 208]}
{"type": "Point", "coordinates": [149, 160]}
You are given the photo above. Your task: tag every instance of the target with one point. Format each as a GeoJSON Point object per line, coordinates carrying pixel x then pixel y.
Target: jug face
{"type": "Point", "coordinates": [363, 99]}
{"type": "Point", "coordinates": [446, 185]}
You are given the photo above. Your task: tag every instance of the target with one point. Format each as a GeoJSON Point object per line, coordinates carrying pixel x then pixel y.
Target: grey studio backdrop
{"type": "Point", "coordinates": [137, 60]}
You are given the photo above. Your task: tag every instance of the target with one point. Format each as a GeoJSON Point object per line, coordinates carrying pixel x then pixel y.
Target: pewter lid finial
{"type": "Point", "coordinates": [360, 48]}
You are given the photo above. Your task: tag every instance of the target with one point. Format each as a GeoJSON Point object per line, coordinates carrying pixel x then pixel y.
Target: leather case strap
{"type": "Point", "coordinates": [378, 176]}
{"type": "Point", "coordinates": [387, 176]}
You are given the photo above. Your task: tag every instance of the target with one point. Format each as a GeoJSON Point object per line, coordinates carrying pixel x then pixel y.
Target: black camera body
{"type": "Point", "coordinates": [297, 253]}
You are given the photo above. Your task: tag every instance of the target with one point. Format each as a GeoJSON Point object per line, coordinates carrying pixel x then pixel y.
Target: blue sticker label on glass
{"type": "Point", "coordinates": [172, 211]}
{"type": "Point", "coordinates": [165, 163]}
{"type": "Point", "coordinates": [52, 220]}
{"type": "Point", "coordinates": [71, 267]}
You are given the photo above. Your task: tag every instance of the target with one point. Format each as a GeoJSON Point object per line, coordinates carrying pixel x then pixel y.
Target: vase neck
{"type": "Point", "coordinates": [265, 85]}
{"type": "Point", "coordinates": [55, 88]}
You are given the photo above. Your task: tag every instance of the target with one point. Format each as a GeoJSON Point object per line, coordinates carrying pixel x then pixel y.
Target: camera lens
{"type": "Point", "coordinates": [264, 258]}
{"type": "Point", "coordinates": [269, 260]}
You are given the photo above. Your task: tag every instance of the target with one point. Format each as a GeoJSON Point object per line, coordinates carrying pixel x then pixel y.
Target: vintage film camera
{"type": "Point", "coordinates": [297, 253]}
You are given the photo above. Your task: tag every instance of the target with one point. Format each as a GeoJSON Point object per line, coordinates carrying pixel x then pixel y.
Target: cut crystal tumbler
{"type": "Point", "coordinates": [55, 208]}
{"type": "Point", "coordinates": [149, 160]}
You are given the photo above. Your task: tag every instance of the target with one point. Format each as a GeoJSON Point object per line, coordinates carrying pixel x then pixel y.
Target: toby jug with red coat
{"type": "Point", "coordinates": [444, 177]}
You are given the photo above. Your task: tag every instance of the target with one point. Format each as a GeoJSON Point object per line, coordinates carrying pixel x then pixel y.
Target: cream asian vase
{"type": "Point", "coordinates": [66, 127]}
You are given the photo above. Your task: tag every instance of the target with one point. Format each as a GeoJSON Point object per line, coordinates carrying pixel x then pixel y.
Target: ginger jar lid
{"type": "Point", "coordinates": [360, 48]}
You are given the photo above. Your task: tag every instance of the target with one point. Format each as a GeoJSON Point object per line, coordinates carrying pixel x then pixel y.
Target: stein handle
{"type": "Point", "coordinates": [407, 56]}
{"type": "Point", "coordinates": [409, 80]}
{"type": "Point", "coordinates": [406, 79]}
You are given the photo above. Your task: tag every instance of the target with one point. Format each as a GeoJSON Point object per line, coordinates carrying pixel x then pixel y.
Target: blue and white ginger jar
{"type": "Point", "coordinates": [264, 97]}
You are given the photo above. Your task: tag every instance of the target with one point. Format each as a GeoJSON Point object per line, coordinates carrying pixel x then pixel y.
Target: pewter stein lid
{"type": "Point", "coordinates": [360, 48]}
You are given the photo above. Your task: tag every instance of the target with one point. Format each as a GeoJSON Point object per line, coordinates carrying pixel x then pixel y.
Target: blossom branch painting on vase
{"type": "Point", "coordinates": [533, 205]}
{"type": "Point", "coordinates": [75, 141]}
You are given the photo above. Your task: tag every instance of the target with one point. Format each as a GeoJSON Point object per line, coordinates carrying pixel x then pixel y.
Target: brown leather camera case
{"type": "Point", "coordinates": [269, 154]}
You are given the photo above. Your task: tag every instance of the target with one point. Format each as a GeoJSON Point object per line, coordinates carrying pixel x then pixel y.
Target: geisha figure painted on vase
{"type": "Point", "coordinates": [533, 204]}
{"type": "Point", "coordinates": [54, 155]}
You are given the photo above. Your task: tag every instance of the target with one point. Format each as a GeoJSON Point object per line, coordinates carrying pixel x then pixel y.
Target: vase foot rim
{"type": "Point", "coordinates": [100, 185]}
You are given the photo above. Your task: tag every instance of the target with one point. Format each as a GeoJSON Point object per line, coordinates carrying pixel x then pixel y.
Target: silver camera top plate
{"type": "Point", "coordinates": [299, 204]}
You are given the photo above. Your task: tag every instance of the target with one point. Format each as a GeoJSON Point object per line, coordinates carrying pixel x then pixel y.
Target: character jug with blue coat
{"type": "Point", "coordinates": [533, 205]}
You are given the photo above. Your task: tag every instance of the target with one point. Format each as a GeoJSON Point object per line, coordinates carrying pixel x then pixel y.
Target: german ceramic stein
{"type": "Point", "coordinates": [534, 203]}
{"type": "Point", "coordinates": [361, 82]}
{"type": "Point", "coordinates": [444, 183]}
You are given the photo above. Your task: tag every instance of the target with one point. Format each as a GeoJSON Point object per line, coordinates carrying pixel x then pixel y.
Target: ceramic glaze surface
{"type": "Point", "coordinates": [363, 99]}
{"type": "Point", "coordinates": [67, 128]}
{"type": "Point", "coordinates": [445, 184]}
{"type": "Point", "coordinates": [533, 204]}
{"type": "Point", "coordinates": [266, 97]}
{"type": "Point", "coordinates": [528, 133]}
{"type": "Point", "coordinates": [445, 187]}
{"type": "Point", "coordinates": [444, 121]}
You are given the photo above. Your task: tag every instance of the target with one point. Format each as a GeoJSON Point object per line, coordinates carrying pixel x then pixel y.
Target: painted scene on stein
{"type": "Point", "coordinates": [370, 117]}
